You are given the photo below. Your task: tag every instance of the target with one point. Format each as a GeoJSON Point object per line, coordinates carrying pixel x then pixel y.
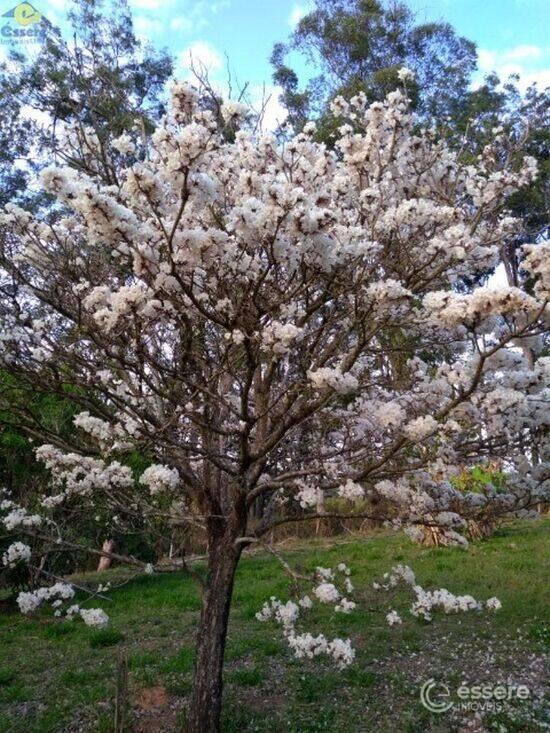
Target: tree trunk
{"type": "Point", "coordinates": [105, 562]}
{"type": "Point", "coordinates": [206, 699]}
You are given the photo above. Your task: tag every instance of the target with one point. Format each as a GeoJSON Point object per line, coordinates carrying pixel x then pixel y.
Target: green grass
{"type": "Point", "coordinates": [57, 676]}
{"type": "Point", "coordinates": [105, 637]}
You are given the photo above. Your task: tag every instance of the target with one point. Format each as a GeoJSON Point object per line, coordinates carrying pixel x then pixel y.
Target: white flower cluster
{"type": "Point", "coordinates": [323, 378]}
{"type": "Point", "coordinates": [451, 309]}
{"type": "Point", "coordinates": [411, 500]}
{"type": "Point", "coordinates": [387, 414]}
{"type": "Point", "coordinates": [278, 337]}
{"type": "Point", "coordinates": [81, 475]}
{"type": "Point", "coordinates": [16, 552]}
{"type": "Point", "coordinates": [493, 604]}
{"type": "Point", "coordinates": [109, 308]}
{"type": "Point", "coordinates": [305, 645]}
{"type": "Point", "coordinates": [285, 614]}
{"type": "Point", "coordinates": [310, 496]}
{"type": "Point", "coordinates": [423, 504]}
{"type": "Point", "coordinates": [159, 478]}
{"type": "Point", "coordinates": [537, 262]}
{"type": "Point", "coordinates": [426, 601]}
{"type": "Point", "coordinates": [351, 491]}
{"type": "Point", "coordinates": [421, 427]}
{"type": "Point", "coordinates": [327, 593]}
{"type": "Point", "coordinates": [32, 600]}
{"type": "Point", "coordinates": [232, 110]}
{"type": "Point", "coordinates": [404, 74]}
{"type": "Point", "coordinates": [393, 618]}
{"type": "Point", "coordinates": [124, 144]}
{"type": "Point", "coordinates": [399, 573]}
{"type": "Point", "coordinates": [94, 426]}
{"type": "Point", "coordinates": [94, 617]}
{"type": "Point", "coordinates": [111, 437]}
{"type": "Point", "coordinates": [18, 517]}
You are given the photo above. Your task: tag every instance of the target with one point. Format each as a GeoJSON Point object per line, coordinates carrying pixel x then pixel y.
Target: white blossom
{"type": "Point", "coordinates": [327, 593]}
{"type": "Point", "coordinates": [350, 490]}
{"type": "Point", "coordinates": [393, 618]}
{"type": "Point", "coordinates": [94, 617]}
{"type": "Point", "coordinates": [16, 552]}
{"type": "Point", "coordinates": [493, 604]}
{"type": "Point", "coordinates": [160, 478]}
{"type": "Point", "coordinates": [404, 74]}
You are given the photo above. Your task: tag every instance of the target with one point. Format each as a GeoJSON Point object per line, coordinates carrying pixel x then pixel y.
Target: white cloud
{"type": "Point", "coordinates": [147, 28]}
{"type": "Point", "coordinates": [39, 116]}
{"type": "Point", "coordinates": [58, 5]}
{"type": "Point", "coordinates": [202, 55]}
{"type": "Point", "coordinates": [266, 98]}
{"type": "Point", "coordinates": [486, 60]}
{"type": "Point", "coordinates": [540, 78]}
{"type": "Point", "coordinates": [524, 52]}
{"type": "Point", "coordinates": [530, 62]}
{"type": "Point", "coordinates": [149, 4]}
{"type": "Point", "coordinates": [181, 23]}
{"type": "Point", "coordinates": [297, 13]}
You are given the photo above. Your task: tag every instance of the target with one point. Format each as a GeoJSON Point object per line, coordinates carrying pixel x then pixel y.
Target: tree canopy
{"type": "Point", "coordinates": [102, 79]}
{"type": "Point", "coordinates": [360, 46]}
{"type": "Point", "coordinates": [233, 307]}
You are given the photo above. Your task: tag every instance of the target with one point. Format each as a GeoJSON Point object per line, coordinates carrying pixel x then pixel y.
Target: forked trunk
{"type": "Point", "coordinates": [206, 699]}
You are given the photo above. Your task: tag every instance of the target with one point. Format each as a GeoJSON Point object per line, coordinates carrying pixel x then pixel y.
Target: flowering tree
{"type": "Point", "coordinates": [275, 323]}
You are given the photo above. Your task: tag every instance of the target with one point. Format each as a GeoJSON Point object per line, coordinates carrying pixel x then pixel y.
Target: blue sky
{"type": "Point", "coordinates": [512, 35]}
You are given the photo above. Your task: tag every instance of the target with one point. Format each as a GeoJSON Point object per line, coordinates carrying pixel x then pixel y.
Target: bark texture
{"type": "Point", "coordinates": [206, 700]}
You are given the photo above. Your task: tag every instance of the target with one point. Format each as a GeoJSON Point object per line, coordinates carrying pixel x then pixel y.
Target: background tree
{"type": "Point", "coordinates": [103, 80]}
{"type": "Point", "coordinates": [360, 46]}
{"type": "Point", "coordinates": [53, 106]}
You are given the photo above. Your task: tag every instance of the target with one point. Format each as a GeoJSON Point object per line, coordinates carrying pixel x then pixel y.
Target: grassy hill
{"type": "Point", "coordinates": [60, 676]}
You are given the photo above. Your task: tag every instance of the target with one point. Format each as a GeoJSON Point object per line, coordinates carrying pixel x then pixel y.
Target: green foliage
{"type": "Point", "coordinates": [105, 637]}
{"type": "Point", "coordinates": [58, 630]}
{"type": "Point", "coordinates": [6, 676]}
{"type": "Point", "coordinates": [541, 633]}
{"type": "Point", "coordinates": [359, 46]}
{"type": "Point", "coordinates": [247, 677]}
{"type": "Point", "coordinates": [25, 410]}
{"type": "Point", "coordinates": [477, 479]}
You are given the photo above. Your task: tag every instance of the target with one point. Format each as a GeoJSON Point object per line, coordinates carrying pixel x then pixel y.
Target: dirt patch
{"type": "Point", "coordinates": [155, 711]}
{"type": "Point", "coordinates": [152, 697]}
